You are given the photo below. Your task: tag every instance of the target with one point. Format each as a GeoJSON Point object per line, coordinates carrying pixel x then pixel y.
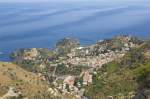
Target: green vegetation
{"type": "Point", "coordinates": [29, 65]}
{"type": "Point", "coordinates": [119, 77]}
{"type": "Point", "coordinates": [111, 81]}
{"type": "Point", "coordinates": [133, 59]}
{"type": "Point", "coordinates": [33, 65]}
{"type": "Point", "coordinates": [65, 45]}
{"type": "Point", "coordinates": [122, 76]}
{"type": "Point", "coordinates": [64, 70]}
{"type": "Point", "coordinates": [143, 75]}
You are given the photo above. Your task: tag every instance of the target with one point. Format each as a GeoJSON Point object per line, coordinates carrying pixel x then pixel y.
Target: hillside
{"type": "Point", "coordinates": [17, 83]}
{"type": "Point", "coordinates": [116, 67]}
{"type": "Point", "coordinates": [124, 77]}
{"type": "Point", "coordinates": [22, 82]}
{"type": "Point", "coordinates": [97, 70]}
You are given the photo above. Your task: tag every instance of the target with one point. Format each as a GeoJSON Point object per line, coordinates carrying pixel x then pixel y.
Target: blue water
{"type": "Point", "coordinates": [25, 25]}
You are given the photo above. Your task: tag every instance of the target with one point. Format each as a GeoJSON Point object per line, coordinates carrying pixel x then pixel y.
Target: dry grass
{"type": "Point", "coordinates": [27, 82]}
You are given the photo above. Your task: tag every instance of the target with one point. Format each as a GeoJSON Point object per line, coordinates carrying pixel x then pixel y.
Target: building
{"type": "Point", "coordinates": [87, 78]}
{"type": "Point", "coordinates": [69, 81]}
{"type": "Point", "coordinates": [30, 55]}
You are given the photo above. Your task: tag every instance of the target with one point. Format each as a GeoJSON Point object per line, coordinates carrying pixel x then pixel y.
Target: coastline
{"type": "Point", "coordinates": [5, 54]}
{"type": "Point", "coordinates": [4, 57]}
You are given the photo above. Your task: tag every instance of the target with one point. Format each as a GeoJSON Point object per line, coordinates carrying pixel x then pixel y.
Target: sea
{"type": "Point", "coordinates": [42, 24]}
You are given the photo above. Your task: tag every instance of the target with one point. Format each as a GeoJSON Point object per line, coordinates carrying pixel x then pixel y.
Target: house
{"type": "Point", "coordinates": [87, 78]}
{"type": "Point", "coordinates": [30, 55]}
{"type": "Point", "coordinates": [69, 80]}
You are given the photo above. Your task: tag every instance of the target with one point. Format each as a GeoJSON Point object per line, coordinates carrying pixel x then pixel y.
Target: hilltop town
{"type": "Point", "coordinates": [71, 69]}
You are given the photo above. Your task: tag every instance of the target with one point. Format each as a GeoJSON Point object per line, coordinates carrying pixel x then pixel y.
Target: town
{"type": "Point", "coordinates": [70, 66]}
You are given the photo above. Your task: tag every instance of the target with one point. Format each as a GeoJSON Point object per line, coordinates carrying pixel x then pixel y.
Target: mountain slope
{"type": "Point", "coordinates": [24, 82]}
{"type": "Point", "coordinates": [123, 77]}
